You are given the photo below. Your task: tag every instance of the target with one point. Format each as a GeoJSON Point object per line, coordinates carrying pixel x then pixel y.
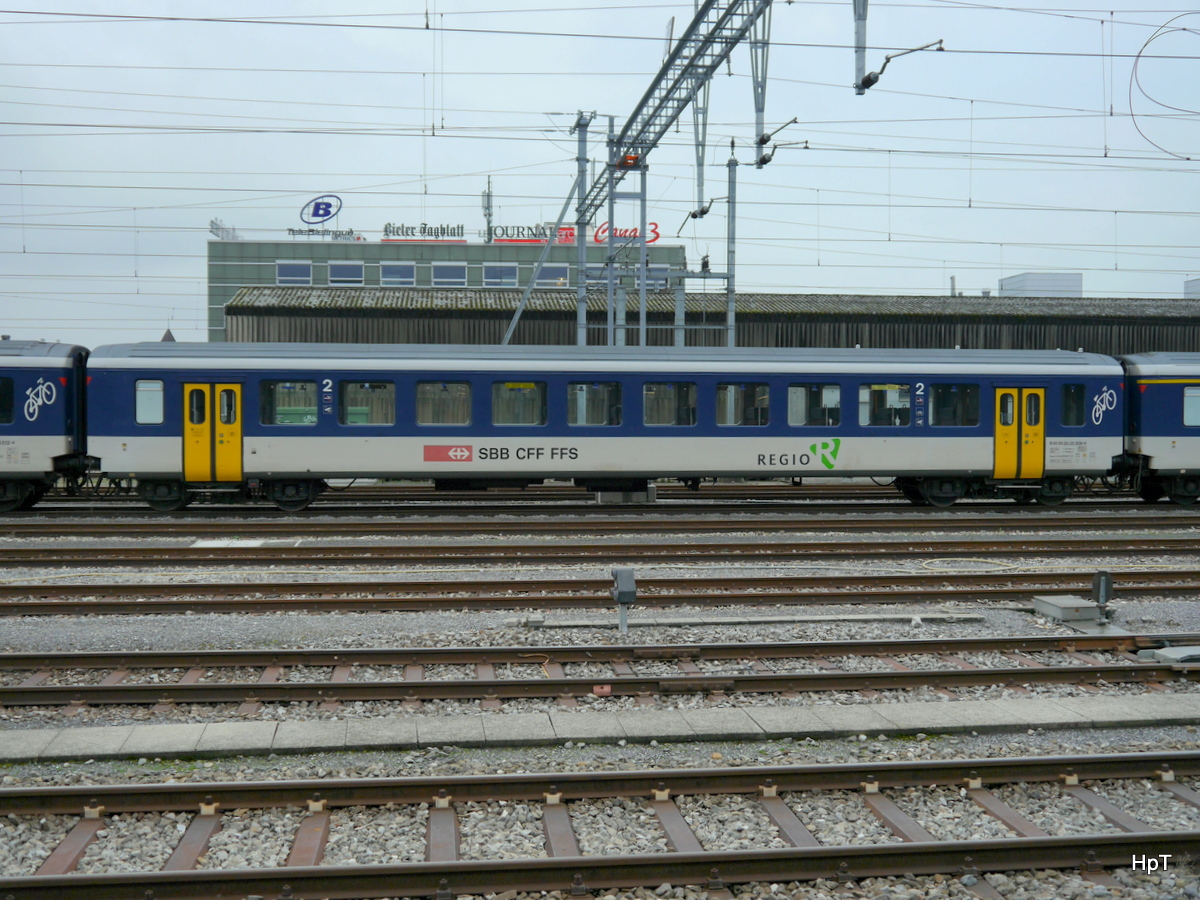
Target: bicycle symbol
{"type": "Point", "coordinates": [41, 394]}
{"type": "Point", "coordinates": [1106, 399]}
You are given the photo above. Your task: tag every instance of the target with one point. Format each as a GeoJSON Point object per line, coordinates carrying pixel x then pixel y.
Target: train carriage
{"type": "Point", "coordinates": [278, 420]}
{"type": "Point", "coordinates": [1163, 441]}
{"type": "Point", "coordinates": [42, 433]}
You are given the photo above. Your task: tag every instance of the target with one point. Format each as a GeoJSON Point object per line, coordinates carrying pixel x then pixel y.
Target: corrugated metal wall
{"type": "Point", "coordinates": [1098, 335]}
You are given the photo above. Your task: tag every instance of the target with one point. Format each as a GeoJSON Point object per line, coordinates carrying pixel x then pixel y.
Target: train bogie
{"type": "Point", "coordinates": [41, 419]}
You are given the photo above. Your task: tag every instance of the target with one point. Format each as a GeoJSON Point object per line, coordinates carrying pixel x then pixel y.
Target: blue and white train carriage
{"type": "Point", "coordinates": [41, 419]}
{"type": "Point", "coordinates": [277, 420]}
{"type": "Point", "coordinates": [1163, 441]}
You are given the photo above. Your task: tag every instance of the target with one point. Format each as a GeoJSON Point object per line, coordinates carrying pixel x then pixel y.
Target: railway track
{"type": "Point", "coordinates": [600, 521]}
{"type": "Point", "coordinates": [566, 673]}
{"type": "Point", "coordinates": [1114, 548]}
{"type": "Point", "coordinates": [550, 595]}
{"type": "Point", "coordinates": [1140, 805]}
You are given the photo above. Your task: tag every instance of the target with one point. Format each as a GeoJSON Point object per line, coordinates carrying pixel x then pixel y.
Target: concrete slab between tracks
{"type": "Point", "coordinates": [731, 723]}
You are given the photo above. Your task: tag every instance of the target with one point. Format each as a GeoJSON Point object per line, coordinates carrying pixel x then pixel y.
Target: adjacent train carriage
{"type": "Point", "coordinates": [277, 420]}
{"type": "Point", "coordinates": [42, 434]}
{"type": "Point", "coordinates": [1163, 440]}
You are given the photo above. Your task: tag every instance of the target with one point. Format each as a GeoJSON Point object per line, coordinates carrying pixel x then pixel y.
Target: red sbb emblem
{"type": "Point", "coordinates": [454, 453]}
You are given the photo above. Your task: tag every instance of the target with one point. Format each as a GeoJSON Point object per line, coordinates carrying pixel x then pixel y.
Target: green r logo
{"type": "Point", "coordinates": [828, 451]}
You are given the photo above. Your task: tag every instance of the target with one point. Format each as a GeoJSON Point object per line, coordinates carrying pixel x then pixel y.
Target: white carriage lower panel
{"type": "Point", "coordinates": [33, 454]}
{"type": "Point", "coordinates": [136, 455]}
{"type": "Point", "coordinates": [751, 456]}
{"type": "Point", "coordinates": [1168, 455]}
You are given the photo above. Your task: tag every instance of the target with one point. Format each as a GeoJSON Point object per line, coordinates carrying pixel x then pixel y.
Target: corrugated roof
{"type": "Point", "coordinates": [309, 299]}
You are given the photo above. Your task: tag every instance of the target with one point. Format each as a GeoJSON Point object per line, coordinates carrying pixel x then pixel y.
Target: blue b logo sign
{"type": "Point", "coordinates": [320, 209]}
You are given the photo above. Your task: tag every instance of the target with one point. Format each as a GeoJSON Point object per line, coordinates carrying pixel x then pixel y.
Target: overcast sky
{"type": "Point", "coordinates": [1063, 138]}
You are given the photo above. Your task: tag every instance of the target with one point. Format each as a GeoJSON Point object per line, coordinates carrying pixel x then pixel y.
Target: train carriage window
{"type": "Point", "coordinates": [227, 406]}
{"type": "Point", "coordinates": [594, 403]}
{"type": "Point", "coordinates": [443, 403]}
{"type": "Point", "coordinates": [1033, 409]}
{"type": "Point", "coordinates": [669, 403]}
{"type": "Point", "coordinates": [1191, 406]}
{"type": "Point", "coordinates": [6, 401]}
{"type": "Point", "coordinates": [518, 403]}
{"type": "Point", "coordinates": [954, 405]}
{"type": "Point", "coordinates": [1007, 416]}
{"type": "Point", "coordinates": [288, 402]}
{"type": "Point", "coordinates": [197, 406]}
{"type": "Point", "coordinates": [883, 404]}
{"type": "Point", "coordinates": [743, 404]}
{"type": "Point", "coordinates": [366, 403]}
{"type": "Point", "coordinates": [814, 404]}
{"type": "Point", "coordinates": [1073, 399]}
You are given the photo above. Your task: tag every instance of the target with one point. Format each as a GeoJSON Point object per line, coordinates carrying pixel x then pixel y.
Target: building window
{"type": "Point", "coordinates": [398, 275]}
{"type": "Point", "coordinates": [345, 273]}
{"type": "Point", "coordinates": [669, 403]}
{"type": "Point", "coordinates": [519, 403]}
{"type": "Point", "coordinates": [594, 403]}
{"type": "Point", "coordinates": [148, 402]}
{"type": "Point", "coordinates": [814, 404]}
{"type": "Point", "coordinates": [954, 405]}
{"type": "Point", "coordinates": [500, 276]}
{"type": "Point", "coordinates": [288, 402]}
{"type": "Point", "coordinates": [288, 272]}
{"type": "Point", "coordinates": [366, 403]}
{"type": "Point", "coordinates": [6, 401]}
{"type": "Point", "coordinates": [883, 404]}
{"type": "Point", "coordinates": [449, 276]}
{"type": "Point", "coordinates": [554, 276]}
{"type": "Point", "coordinates": [743, 404]}
{"type": "Point", "coordinates": [1074, 397]}
{"type": "Point", "coordinates": [443, 403]}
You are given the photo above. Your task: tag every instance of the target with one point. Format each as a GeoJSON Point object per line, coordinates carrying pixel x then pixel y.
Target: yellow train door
{"type": "Point", "coordinates": [212, 432]}
{"type": "Point", "coordinates": [1020, 433]}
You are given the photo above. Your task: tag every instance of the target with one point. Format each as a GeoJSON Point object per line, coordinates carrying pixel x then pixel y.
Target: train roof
{"type": "Point", "coordinates": [1166, 363]}
{"type": "Point", "coordinates": [35, 351]}
{"type": "Point", "coordinates": [476, 357]}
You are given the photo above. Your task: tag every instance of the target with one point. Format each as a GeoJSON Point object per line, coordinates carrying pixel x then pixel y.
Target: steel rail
{"type": "Point", "coordinates": [592, 525]}
{"type": "Point", "coordinates": [577, 874]}
{"type": "Point", "coordinates": [451, 554]}
{"type": "Point", "coordinates": [165, 598]}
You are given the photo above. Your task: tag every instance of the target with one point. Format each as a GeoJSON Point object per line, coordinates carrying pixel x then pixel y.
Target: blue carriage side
{"type": "Point", "coordinates": [42, 425]}
{"type": "Point", "coordinates": [1163, 430]}
{"type": "Point", "coordinates": [276, 421]}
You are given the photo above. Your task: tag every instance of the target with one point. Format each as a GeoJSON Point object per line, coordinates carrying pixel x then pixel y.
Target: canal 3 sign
{"type": "Point", "coordinates": [320, 209]}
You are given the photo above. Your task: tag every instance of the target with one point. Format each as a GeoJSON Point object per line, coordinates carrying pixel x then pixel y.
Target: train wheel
{"type": "Point", "coordinates": [1054, 491]}
{"type": "Point", "coordinates": [36, 493]}
{"type": "Point", "coordinates": [1151, 491]}
{"type": "Point", "coordinates": [170, 504]}
{"type": "Point", "coordinates": [1024, 498]}
{"type": "Point", "coordinates": [13, 494]}
{"type": "Point", "coordinates": [293, 496]}
{"type": "Point", "coordinates": [912, 493]}
{"type": "Point", "coordinates": [1183, 490]}
{"type": "Point", "coordinates": [942, 492]}
{"type": "Point", "coordinates": [165, 496]}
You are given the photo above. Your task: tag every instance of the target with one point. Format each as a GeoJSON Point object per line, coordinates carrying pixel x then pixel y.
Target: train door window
{"type": "Point", "coordinates": [449, 276]}
{"type": "Point", "coordinates": [500, 276]}
{"type": "Point", "coordinates": [292, 272]}
{"type": "Point", "coordinates": [1033, 409]}
{"type": "Point", "coordinates": [554, 276]}
{"type": "Point", "coordinates": [814, 404]}
{"type": "Point", "coordinates": [288, 402]}
{"type": "Point", "coordinates": [1191, 406]}
{"type": "Point", "coordinates": [227, 406]}
{"type": "Point", "coordinates": [6, 401]}
{"type": "Point", "coordinates": [669, 403]}
{"type": "Point", "coordinates": [518, 403]}
{"type": "Point", "coordinates": [594, 403]}
{"type": "Point", "coordinates": [883, 404]}
{"type": "Point", "coordinates": [398, 275]}
{"type": "Point", "coordinates": [443, 403]}
{"type": "Point", "coordinates": [197, 406]}
{"type": "Point", "coordinates": [1074, 397]}
{"type": "Point", "coordinates": [366, 403]}
{"type": "Point", "coordinates": [1007, 415]}
{"type": "Point", "coordinates": [954, 405]}
{"type": "Point", "coordinates": [746, 403]}
{"type": "Point", "coordinates": [148, 402]}
{"type": "Point", "coordinates": [345, 273]}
